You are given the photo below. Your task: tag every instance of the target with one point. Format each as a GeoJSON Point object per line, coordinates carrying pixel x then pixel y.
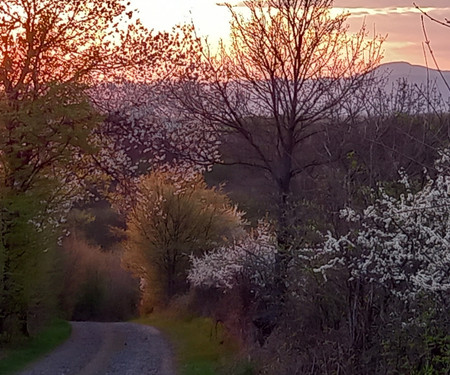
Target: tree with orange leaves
{"type": "Point", "coordinates": [63, 48]}
{"type": "Point", "coordinates": [51, 53]}
{"type": "Point", "coordinates": [74, 41]}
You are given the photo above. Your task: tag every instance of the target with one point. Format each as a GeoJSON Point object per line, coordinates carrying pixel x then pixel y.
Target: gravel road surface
{"type": "Point", "coordinates": [108, 349]}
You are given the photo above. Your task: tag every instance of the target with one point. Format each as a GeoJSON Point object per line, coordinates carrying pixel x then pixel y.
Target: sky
{"type": "Point", "coordinates": [396, 19]}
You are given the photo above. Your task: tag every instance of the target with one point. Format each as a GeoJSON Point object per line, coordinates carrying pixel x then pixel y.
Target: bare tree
{"type": "Point", "coordinates": [290, 70]}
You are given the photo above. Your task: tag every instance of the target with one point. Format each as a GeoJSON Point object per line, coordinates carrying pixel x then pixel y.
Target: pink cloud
{"type": "Point", "coordinates": [405, 36]}
{"type": "Point", "coordinates": [401, 22]}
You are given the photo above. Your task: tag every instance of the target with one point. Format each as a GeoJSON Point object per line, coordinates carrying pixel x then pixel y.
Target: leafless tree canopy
{"type": "Point", "coordinates": [289, 68]}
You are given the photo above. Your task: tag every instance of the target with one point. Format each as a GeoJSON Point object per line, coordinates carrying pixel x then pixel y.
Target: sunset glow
{"type": "Point", "coordinates": [277, 171]}
{"type": "Point", "coordinates": [397, 19]}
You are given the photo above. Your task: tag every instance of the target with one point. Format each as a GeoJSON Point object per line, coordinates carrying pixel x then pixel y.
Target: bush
{"type": "Point", "coordinates": [174, 217]}
{"type": "Point", "coordinates": [96, 287]}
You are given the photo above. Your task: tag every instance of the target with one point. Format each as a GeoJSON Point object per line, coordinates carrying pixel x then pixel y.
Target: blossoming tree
{"type": "Point", "coordinates": [144, 130]}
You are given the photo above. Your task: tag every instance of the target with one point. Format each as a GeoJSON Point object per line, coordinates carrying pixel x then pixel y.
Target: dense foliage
{"type": "Point", "coordinates": [51, 53]}
{"type": "Point", "coordinates": [174, 216]}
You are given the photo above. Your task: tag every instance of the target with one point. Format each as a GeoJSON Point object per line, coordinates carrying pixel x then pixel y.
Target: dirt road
{"type": "Point", "coordinates": [108, 349]}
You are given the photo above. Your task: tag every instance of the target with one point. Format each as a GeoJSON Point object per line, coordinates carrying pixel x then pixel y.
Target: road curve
{"type": "Point", "coordinates": [107, 349]}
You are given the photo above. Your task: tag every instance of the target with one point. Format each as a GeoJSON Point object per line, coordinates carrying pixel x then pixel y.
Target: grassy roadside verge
{"type": "Point", "coordinates": [201, 347]}
{"type": "Point", "coordinates": [15, 359]}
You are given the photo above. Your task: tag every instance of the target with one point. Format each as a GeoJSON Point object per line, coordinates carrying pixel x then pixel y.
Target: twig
{"type": "Point", "coordinates": [428, 44]}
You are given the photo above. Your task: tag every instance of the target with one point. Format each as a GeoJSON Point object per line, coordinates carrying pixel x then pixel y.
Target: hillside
{"type": "Point", "coordinates": [416, 74]}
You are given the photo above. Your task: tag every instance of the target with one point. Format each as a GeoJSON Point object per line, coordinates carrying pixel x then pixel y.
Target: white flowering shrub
{"type": "Point", "coordinates": [252, 257]}
{"type": "Point", "coordinates": [401, 244]}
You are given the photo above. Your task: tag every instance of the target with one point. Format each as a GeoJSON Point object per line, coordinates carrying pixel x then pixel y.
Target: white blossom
{"type": "Point", "coordinates": [402, 244]}
{"type": "Point", "coordinates": [252, 256]}
{"type": "Point", "coordinates": [144, 129]}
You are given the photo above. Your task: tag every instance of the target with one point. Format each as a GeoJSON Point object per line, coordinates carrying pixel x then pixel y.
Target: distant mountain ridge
{"type": "Point", "coordinates": [416, 74]}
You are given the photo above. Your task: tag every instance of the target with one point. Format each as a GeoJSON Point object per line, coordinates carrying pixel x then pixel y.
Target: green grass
{"type": "Point", "coordinates": [15, 359]}
{"type": "Point", "coordinates": [200, 348]}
